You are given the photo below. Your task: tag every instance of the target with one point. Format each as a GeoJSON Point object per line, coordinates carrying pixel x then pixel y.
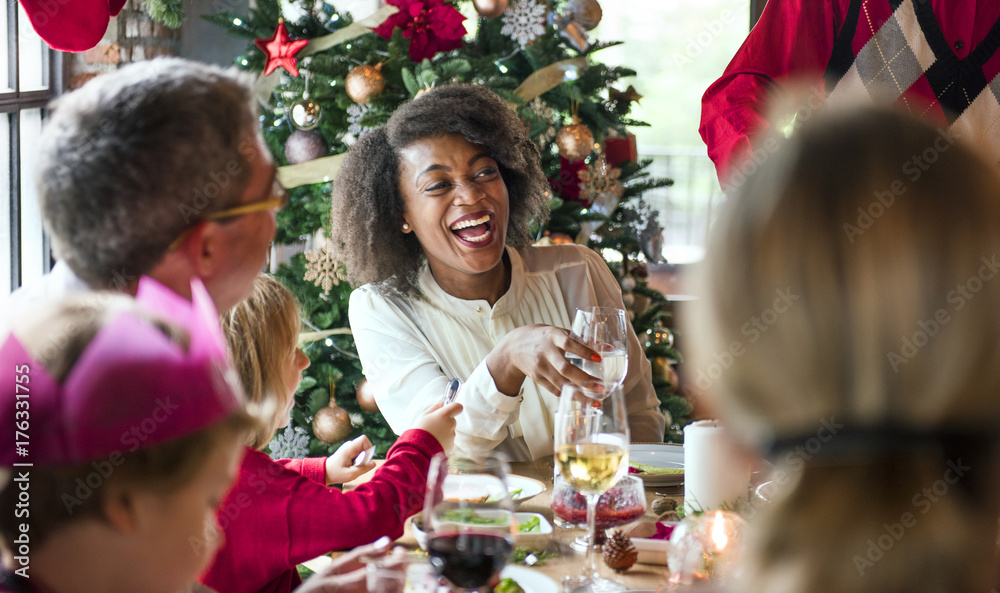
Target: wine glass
{"type": "Point", "coordinates": [591, 444]}
{"type": "Point", "coordinates": [469, 519]}
{"type": "Point", "coordinates": [603, 330]}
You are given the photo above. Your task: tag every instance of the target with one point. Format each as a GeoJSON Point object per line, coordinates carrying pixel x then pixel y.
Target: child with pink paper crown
{"type": "Point", "coordinates": [282, 512]}
{"type": "Point", "coordinates": [127, 437]}
{"type": "Point", "coordinates": [122, 436]}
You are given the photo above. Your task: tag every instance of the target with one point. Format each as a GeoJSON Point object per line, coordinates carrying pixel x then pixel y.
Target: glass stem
{"type": "Point", "coordinates": [590, 567]}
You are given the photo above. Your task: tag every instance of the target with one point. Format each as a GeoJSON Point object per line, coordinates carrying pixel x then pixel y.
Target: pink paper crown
{"type": "Point", "coordinates": [131, 388]}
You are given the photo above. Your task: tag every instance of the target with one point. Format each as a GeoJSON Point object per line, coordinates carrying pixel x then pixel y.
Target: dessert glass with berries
{"type": "Point", "coordinates": [622, 504]}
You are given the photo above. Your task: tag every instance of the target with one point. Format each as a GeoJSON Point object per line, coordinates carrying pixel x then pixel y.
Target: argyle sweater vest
{"type": "Point", "coordinates": [905, 59]}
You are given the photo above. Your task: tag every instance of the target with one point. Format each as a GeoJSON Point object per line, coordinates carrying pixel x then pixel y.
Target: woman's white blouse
{"type": "Point", "coordinates": [411, 348]}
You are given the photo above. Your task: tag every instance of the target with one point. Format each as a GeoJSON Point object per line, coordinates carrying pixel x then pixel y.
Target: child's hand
{"type": "Point", "coordinates": [440, 422]}
{"type": "Point", "coordinates": [340, 466]}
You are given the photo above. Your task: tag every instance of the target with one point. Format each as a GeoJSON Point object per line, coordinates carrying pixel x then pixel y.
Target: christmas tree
{"type": "Point", "coordinates": [324, 79]}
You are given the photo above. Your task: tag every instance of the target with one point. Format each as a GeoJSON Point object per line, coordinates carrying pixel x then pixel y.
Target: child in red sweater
{"type": "Point", "coordinates": [281, 514]}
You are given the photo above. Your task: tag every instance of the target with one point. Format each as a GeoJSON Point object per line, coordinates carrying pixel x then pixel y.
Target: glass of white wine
{"type": "Point", "coordinates": [604, 330]}
{"type": "Point", "coordinates": [591, 444]}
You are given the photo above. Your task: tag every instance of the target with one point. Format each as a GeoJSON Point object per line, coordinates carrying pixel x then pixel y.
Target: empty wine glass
{"type": "Point", "coordinates": [603, 330]}
{"type": "Point", "coordinates": [591, 445]}
{"type": "Point", "coordinates": [469, 519]}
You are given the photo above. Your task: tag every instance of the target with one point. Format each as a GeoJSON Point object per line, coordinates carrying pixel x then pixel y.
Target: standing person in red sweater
{"type": "Point", "coordinates": [281, 514]}
{"type": "Point", "coordinates": [936, 59]}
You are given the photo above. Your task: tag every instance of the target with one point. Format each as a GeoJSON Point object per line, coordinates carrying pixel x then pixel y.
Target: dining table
{"type": "Point", "coordinates": [560, 559]}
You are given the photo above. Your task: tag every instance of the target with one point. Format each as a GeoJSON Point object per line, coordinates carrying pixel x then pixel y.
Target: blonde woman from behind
{"type": "Point", "coordinates": [866, 250]}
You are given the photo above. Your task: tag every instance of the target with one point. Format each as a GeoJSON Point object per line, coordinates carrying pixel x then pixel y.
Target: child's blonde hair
{"type": "Point", "coordinates": [56, 336]}
{"type": "Point", "coordinates": [262, 331]}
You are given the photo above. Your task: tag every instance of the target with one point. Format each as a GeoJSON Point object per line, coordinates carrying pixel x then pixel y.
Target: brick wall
{"type": "Point", "coordinates": [131, 37]}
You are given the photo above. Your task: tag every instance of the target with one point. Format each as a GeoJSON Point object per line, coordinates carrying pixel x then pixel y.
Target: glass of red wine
{"type": "Point", "coordinates": [470, 522]}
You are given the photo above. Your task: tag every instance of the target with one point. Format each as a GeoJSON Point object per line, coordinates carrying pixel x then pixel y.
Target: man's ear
{"type": "Point", "coordinates": [120, 506]}
{"type": "Point", "coordinates": [203, 248]}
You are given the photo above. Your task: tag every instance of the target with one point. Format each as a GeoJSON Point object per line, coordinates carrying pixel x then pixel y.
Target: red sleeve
{"type": "Point", "coordinates": [275, 518]}
{"type": "Point", "coordinates": [792, 40]}
{"type": "Point", "coordinates": [313, 468]}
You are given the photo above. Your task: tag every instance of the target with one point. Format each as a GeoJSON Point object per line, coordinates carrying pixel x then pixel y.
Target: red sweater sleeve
{"type": "Point", "coordinates": [276, 518]}
{"type": "Point", "coordinates": [313, 468]}
{"type": "Point", "coordinates": [792, 40]}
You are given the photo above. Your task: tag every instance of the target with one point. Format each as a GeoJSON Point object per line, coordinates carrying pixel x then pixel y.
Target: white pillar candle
{"type": "Point", "coordinates": [715, 471]}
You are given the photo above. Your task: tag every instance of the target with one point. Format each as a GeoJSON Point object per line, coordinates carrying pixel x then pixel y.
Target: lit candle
{"type": "Point", "coordinates": [705, 548]}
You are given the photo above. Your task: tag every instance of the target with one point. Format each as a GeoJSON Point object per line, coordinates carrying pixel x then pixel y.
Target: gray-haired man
{"type": "Point", "coordinates": [156, 169]}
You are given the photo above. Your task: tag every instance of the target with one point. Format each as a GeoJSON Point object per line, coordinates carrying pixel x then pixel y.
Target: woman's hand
{"type": "Point", "coordinates": [340, 466]}
{"type": "Point", "coordinates": [347, 574]}
{"type": "Point", "coordinates": [539, 352]}
{"type": "Point", "coordinates": [439, 420]}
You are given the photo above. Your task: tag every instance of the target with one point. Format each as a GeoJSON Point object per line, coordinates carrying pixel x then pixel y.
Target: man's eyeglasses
{"type": "Point", "coordinates": [279, 198]}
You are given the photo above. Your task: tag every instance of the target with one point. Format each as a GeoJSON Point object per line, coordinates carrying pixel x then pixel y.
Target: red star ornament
{"type": "Point", "coordinates": [280, 50]}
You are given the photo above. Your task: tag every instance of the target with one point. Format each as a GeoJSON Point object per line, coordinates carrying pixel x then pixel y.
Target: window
{"type": "Point", "coordinates": [30, 76]}
{"type": "Point", "coordinates": [678, 49]}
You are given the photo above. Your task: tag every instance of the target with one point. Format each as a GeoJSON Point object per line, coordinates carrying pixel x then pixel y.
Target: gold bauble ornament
{"type": "Point", "coordinates": [364, 82]}
{"type": "Point", "coordinates": [575, 141]}
{"type": "Point", "coordinates": [490, 9]}
{"type": "Point", "coordinates": [586, 12]}
{"type": "Point", "coordinates": [332, 424]}
{"type": "Point", "coordinates": [366, 396]}
{"type": "Point", "coordinates": [663, 368]}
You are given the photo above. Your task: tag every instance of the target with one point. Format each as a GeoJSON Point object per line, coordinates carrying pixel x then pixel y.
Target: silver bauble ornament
{"type": "Point", "coordinates": [586, 12]}
{"type": "Point", "coordinates": [305, 145]}
{"type": "Point", "coordinates": [305, 114]}
{"type": "Point", "coordinates": [651, 240]}
{"type": "Point", "coordinates": [490, 9]}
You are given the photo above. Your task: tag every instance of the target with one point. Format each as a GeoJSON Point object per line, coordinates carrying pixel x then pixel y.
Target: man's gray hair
{"type": "Point", "coordinates": [133, 158]}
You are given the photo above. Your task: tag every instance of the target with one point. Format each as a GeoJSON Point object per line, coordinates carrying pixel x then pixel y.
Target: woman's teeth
{"type": "Point", "coordinates": [467, 223]}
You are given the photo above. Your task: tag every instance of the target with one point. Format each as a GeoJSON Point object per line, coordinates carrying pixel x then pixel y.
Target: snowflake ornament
{"type": "Point", "coordinates": [322, 268]}
{"type": "Point", "coordinates": [524, 22]}
{"type": "Point", "coordinates": [290, 443]}
{"type": "Point", "coordinates": [355, 112]}
{"type": "Point", "coordinates": [600, 185]}
{"type": "Point", "coordinates": [546, 114]}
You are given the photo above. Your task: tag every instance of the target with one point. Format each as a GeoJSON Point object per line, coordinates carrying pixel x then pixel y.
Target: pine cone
{"type": "Point", "coordinates": [619, 553]}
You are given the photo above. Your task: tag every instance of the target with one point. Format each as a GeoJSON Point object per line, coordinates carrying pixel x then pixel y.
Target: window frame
{"type": "Point", "coordinates": [12, 103]}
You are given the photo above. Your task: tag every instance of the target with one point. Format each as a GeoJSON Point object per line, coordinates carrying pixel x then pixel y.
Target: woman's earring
{"type": "Point", "coordinates": [406, 227]}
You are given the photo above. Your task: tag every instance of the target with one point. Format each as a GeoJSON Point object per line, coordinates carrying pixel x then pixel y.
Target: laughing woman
{"type": "Point", "coordinates": [431, 215]}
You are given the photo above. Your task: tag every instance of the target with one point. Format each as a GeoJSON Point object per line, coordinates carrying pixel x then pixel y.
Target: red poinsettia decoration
{"type": "Point", "coordinates": [430, 25]}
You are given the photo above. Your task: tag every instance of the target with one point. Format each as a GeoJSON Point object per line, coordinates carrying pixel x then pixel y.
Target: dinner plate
{"type": "Point", "coordinates": [531, 581]}
{"type": "Point", "coordinates": [659, 455]}
{"type": "Point", "coordinates": [544, 527]}
{"type": "Point", "coordinates": [529, 487]}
